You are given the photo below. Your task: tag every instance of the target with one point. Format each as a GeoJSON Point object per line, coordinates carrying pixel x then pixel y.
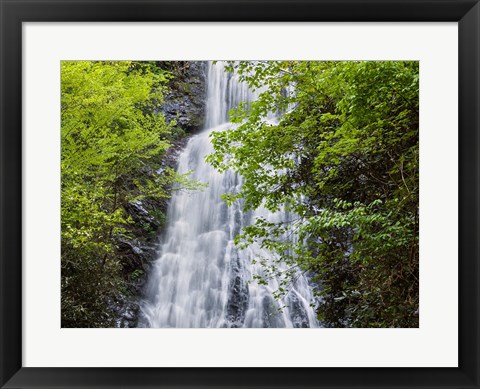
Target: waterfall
{"type": "Point", "coordinates": [200, 278]}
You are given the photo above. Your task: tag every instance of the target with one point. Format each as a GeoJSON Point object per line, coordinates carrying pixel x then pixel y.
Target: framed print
{"type": "Point", "coordinates": [239, 194]}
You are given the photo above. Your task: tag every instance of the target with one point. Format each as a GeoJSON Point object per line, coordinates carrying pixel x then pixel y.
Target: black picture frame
{"type": "Point", "coordinates": [15, 12]}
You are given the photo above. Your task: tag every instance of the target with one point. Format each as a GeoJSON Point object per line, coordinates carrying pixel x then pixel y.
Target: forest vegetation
{"type": "Point", "coordinates": [342, 157]}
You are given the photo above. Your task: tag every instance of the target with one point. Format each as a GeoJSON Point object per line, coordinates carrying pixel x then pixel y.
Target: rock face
{"type": "Point", "coordinates": [185, 102]}
{"type": "Point", "coordinates": [136, 255]}
{"type": "Point", "coordinates": [299, 315]}
{"type": "Point", "coordinates": [237, 303]}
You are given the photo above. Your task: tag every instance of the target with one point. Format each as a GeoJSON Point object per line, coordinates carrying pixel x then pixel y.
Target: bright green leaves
{"type": "Point", "coordinates": [106, 137]}
{"type": "Point", "coordinates": [112, 145]}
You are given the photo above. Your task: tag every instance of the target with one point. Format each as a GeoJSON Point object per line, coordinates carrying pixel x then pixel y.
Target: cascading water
{"type": "Point", "coordinates": [201, 279]}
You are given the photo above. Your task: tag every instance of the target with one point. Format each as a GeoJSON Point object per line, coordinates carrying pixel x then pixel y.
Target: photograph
{"type": "Point", "coordinates": [240, 194]}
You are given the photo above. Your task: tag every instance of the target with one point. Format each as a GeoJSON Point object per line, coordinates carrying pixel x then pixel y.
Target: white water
{"type": "Point", "coordinates": [200, 278]}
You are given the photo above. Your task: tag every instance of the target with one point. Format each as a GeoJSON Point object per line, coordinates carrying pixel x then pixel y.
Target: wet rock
{"type": "Point", "coordinates": [271, 314]}
{"type": "Point", "coordinates": [139, 213]}
{"type": "Point", "coordinates": [238, 297]}
{"type": "Point", "coordinates": [128, 315]}
{"type": "Point", "coordinates": [185, 102]}
{"type": "Point", "coordinates": [298, 312]}
{"type": "Point", "coordinates": [135, 258]}
{"type": "Point", "coordinates": [136, 254]}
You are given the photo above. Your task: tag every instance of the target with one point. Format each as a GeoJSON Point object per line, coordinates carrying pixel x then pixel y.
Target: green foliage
{"type": "Point", "coordinates": [343, 158]}
{"type": "Point", "coordinates": [159, 216]}
{"type": "Point", "coordinates": [177, 133]}
{"type": "Point", "coordinates": [111, 144]}
{"type": "Point", "coordinates": [137, 274]}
